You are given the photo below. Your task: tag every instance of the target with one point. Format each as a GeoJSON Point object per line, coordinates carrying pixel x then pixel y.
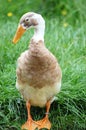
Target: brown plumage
{"type": "Point", "coordinates": [38, 68]}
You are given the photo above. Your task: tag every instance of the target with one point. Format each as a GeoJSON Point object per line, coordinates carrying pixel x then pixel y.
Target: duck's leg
{"type": "Point", "coordinates": [45, 123]}
{"type": "Point", "coordinates": [30, 124]}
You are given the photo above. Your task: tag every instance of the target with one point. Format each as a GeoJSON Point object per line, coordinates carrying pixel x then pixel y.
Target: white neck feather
{"type": "Point", "coordinates": [39, 33]}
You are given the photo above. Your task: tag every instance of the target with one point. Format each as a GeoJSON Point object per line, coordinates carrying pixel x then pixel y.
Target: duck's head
{"type": "Point", "coordinates": [27, 21]}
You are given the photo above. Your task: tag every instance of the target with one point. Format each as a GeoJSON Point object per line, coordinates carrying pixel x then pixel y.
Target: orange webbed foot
{"type": "Point", "coordinates": [29, 125]}
{"type": "Point", "coordinates": [44, 123]}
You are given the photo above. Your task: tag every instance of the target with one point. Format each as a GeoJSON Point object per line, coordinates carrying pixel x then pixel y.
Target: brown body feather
{"type": "Point", "coordinates": [38, 68]}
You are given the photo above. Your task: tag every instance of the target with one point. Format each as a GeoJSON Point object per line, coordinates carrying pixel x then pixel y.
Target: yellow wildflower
{"type": "Point", "coordinates": [65, 24]}
{"type": "Point", "coordinates": [64, 12]}
{"type": "Point", "coordinates": [10, 14]}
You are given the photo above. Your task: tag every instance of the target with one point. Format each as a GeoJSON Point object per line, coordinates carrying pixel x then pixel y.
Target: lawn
{"type": "Point", "coordinates": [65, 37]}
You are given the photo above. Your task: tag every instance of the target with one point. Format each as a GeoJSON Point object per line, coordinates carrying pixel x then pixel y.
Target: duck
{"type": "Point", "coordinates": [38, 72]}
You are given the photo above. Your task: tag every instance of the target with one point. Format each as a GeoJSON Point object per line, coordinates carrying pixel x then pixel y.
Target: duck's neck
{"type": "Point", "coordinates": [39, 33]}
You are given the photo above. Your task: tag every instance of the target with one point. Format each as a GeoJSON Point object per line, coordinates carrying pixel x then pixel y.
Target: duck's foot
{"type": "Point", "coordinates": [30, 125]}
{"type": "Point", "coordinates": [44, 123]}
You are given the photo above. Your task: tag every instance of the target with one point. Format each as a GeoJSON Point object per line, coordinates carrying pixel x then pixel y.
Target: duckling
{"type": "Point", "coordinates": [38, 72]}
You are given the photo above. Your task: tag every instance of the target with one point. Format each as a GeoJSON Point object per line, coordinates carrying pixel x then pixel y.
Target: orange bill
{"type": "Point", "coordinates": [19, 33]}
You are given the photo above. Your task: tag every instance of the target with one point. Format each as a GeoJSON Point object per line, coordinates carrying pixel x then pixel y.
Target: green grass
{"type": "Point", "coordinates": [68, 44]}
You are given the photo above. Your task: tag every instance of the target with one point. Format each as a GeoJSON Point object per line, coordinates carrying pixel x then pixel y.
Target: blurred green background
{"type": "Point", "coordinates": [64, 10]}
{"type": "Point", "coordinates": [65, 37]}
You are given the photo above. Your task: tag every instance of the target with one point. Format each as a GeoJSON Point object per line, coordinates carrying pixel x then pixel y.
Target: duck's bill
{"type": "Point", "coordinates": [19, 33]}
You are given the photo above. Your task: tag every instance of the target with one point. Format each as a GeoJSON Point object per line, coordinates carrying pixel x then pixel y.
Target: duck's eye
{"type": "Point", "coordinates": [27, 19]}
